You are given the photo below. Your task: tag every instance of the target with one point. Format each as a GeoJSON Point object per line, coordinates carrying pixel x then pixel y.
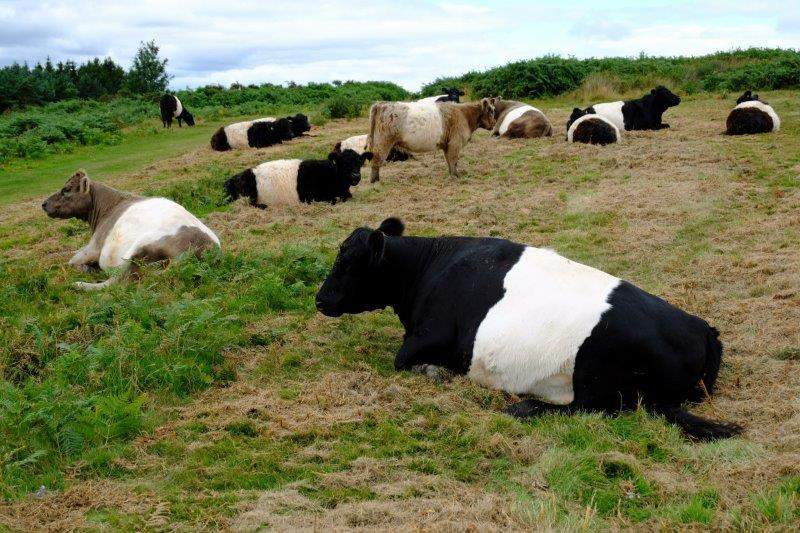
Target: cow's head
{"type": "Point", "coordinates": [664, 97]}
{"type": "Point", "coordinates": [453, 94]}
{"type": "Point", "coordinates": [188, 118]}
{"type": "Point", "coordinates": [242, 185]}
{"type": "Point", "coordinates": [348, 164]}
{"type": "Point", "coordinates": [486, 118]}
{"type": "Point", "coordinates": [355, 283]}
{"type": "Point", "coordinates": [299, 124]}
{"type": "Point", "coordinates": [747, 96]}
{"type": "Point", "coordinates": [577, 113]}
{"type": "Point", "coordinates": [74, 200]}
{"type": "Point", "coordinates": [283, 129]}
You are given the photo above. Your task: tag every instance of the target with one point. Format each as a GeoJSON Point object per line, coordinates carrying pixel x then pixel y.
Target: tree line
{"type": "Point", "coordinates": [96, 79]}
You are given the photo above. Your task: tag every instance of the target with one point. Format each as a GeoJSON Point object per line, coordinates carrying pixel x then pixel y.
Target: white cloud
{"type": "Point", "coordinates": [253, 41]}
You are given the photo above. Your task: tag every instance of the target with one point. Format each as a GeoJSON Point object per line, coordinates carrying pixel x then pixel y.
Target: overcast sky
{"type": "Point", "coordinates": [408, 42]}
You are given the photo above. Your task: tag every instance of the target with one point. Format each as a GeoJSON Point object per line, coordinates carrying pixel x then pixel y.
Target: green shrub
{"type": "Point", "coordinates": [61, 126]}
{"type": "Point", "coordinates": [754, 68]}
{"type": "Point", "coordinates": [342, 106]}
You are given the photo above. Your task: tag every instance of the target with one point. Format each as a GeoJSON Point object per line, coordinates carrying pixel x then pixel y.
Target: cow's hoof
{"type": "Point", "coordinates": [525, 409]}
{"type": "Point", "coordinates": [439, 374]}
{"type": "Point", "coordinates": [87, 267]}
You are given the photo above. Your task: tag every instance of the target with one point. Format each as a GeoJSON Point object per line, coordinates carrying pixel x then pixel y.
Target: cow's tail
{"type": "Point", "coordinates": [376, 108]}
{"type": "Point", "coordinates": [708, 380]}
{"type": "Point", "coordinates": [371, 135]}
{"type": "Point", "coordinates": [699, 428]}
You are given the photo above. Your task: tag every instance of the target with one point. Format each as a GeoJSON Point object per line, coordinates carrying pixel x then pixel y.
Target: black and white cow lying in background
{"type": "Point", "coordinates": [591, 128]}
{"type": "Point", "coordinates": [450, 95]}
{"type": "Point", "coordinates": [358, 143]}
{"type": "Point", "coordinates": [528, 321]}
{"type": "Point", "coordinates": [259, 133]}
{"type": "Point", "coordinates": [641, 114]}
{"type": "Point", "coordinates": [294, 181]}
{"type": "Point", "coordinates": [171, 108]}
{"type": "Point", "coordinates": [752, 115]}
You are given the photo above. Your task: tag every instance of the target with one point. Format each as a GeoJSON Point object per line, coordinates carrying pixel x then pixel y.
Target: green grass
{"type": "Point", "coordinates": [30, 178]}
{"type": "Point", "coordinates": [205, 387]}
{"type": "Point", "coordinates": [80, 373]}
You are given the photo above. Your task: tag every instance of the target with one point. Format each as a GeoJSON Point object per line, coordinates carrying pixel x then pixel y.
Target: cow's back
{"type": "Point", "coordinates": [421, 126]}
{"type": "Point", "coordinates": [236, 133]}
{"type": "Point", "coordinates": [146, 222]}
{"type": "Point", "coordinates": [276, 182]}
{"type": "Point", "coordinates": [528, 341]}
{"type": "Point", "coordinates": [613, 112]}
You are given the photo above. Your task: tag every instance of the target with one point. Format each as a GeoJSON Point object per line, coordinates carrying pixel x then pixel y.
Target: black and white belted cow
{"type": "Point", "coordinates": [172, 108]}
{"type": "Point", "coordinates": [528, 321]}
{"type": "Point", "coordinates": [643, 113]}
{"type": "Point", "coordinates": [751, 115]}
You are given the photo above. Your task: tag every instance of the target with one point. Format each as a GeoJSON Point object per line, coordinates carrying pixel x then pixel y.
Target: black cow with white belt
{"type": "Point", "coordinates": [528, 321]}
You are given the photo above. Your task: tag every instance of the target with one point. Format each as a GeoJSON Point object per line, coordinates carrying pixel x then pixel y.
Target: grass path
{"type": "Point", "coordinates": [212, 396]}
{"type": "Point", "coordinates": [142, 147]}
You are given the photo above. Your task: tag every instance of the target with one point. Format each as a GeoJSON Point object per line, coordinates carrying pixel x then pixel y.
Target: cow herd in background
{"type": "Point", "coordinates": [511, 317]}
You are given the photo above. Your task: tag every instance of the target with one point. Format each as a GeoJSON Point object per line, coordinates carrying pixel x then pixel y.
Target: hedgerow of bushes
{"type": "Point", "coordinates": [754, 68]}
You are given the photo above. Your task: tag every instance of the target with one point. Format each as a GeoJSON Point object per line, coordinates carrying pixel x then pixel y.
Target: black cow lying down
{"type": "Point", "coordinates": [528, 321]}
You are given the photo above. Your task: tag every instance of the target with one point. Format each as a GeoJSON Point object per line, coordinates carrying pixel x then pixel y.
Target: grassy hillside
{"type": "Point", "coordinates": [754, 68]}
{"type": "Point", "coordinates": [211, 394]}
{"type": "Point", "coordinates": [62, 127]}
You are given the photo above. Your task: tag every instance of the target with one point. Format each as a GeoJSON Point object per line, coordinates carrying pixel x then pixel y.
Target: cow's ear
{"type": "Point", "coordinates": [577, 110]}
{"type": "Point", "coordinates": [367, 156]}
{"type": "Point", "coordinates": [338, 147]}
{"type": "Point", "coordinates": [392, 226]}
{"type": "Point", "coordinates": [376, 243]}
{"type": "Point", "coordinates": [85, 183]}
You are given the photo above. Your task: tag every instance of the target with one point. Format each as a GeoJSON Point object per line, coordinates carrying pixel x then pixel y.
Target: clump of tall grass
{"type": "Point", "coordinates": [80, 373]}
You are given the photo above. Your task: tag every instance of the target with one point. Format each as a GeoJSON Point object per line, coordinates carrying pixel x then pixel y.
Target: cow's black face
{"type": "Point", "coordinates": [189, 118]}
{"type": "Point", "coordinates": [242, 185]}
{"type": "Point", "coordinates": [453, 94]}
{"type": "Point", "coordinates": [348, 165]}
{"type": "Point", "coordinates": [747, 96]}
{"type": "Point", "coordinates": [665, 96]}
{"type": "Point", "coordinates": [355, 283]}
{"type": "Point", "coordinates": [347, 289]}
{"type": "Point", "coordinates": [300, 124]}
{"type": "Point", "coordinates": [576, 114]}
{"type": "Point", "coordinates": [283, 129]}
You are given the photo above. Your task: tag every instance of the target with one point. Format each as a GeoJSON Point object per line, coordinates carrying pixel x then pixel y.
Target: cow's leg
{"type": "Point", "coordinates": [531, 407]}
{"type": "Point", "coordinates": [451, 152]}
{"type": "Point", "coordinates": [86, 259]}
{"type": "Point", "coordinates": [417, 351]}
{"type": "Point", "coordinates": [378, 156]}
{"type": "Point", "coordinates": [180, 122]}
